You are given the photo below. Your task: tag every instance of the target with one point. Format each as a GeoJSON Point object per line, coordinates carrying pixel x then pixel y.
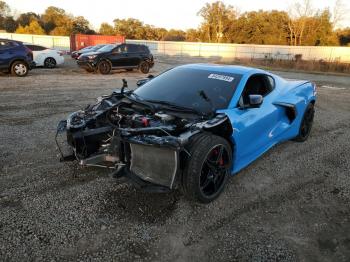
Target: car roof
{"type": "Point", "coordinates": [234, 69]}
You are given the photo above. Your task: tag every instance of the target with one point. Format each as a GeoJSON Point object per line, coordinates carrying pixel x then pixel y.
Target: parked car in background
{"type": "Point", "coordinates": [15, 57]}
{"type": "Point", "coordinates": [46, 57]}
{"type": "Point", "coordinates": [76, 54]}
{"type": "Point", "coordinates": [120, 56]}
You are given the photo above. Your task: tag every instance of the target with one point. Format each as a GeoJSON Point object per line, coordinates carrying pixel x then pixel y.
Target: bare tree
{"type": "Point", "coordinates": [339, 12]}
{"type": "Point", "coordinates": [4, 9]}
{"type": "Point", "coordinates": [299, 13]}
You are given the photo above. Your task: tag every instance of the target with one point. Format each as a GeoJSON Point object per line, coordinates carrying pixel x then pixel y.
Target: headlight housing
{"type": "Point", "coordinates": [91, 57]}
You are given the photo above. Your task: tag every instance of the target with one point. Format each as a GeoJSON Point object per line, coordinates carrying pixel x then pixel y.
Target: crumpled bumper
{"type": "Point", "coordinates": [148, 164]}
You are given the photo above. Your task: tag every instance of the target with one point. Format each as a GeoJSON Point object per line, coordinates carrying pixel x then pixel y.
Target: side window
{"type": "Point", "coordinates": [133, 48]}
{"type": "Point", "coordinates": [122, 49]}
{"type": "Point", "coordinates": [5, 44]}
{"type": "Point", "coordinates": [39, 48]}
{"type": "Point", "coordinates": [31, 47]}
{"type": "Point", "coordinates": [259, 84]}
{"type": "Point", "coordinates": [144, 49]}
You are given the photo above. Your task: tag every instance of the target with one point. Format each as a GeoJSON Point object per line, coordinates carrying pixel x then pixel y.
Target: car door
{"type": "Point", "coordinates": [254, 127]}
{"type": "Point", "coordinates": [5, 55]}
{"type": "Point", "coordinates": [134, 55]}
{"type": "Point", "coordinates": [118, 56]}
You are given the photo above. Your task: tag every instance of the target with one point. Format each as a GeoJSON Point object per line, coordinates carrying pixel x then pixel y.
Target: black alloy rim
{"type": "Point", "coordinates": [104, 67]}
{"type": "Point", "coordinates": [214, 170]}
{"type": "Point", "coordinates": [50, 63]}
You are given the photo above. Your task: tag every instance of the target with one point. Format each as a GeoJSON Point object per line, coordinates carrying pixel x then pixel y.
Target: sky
{"type": "Point", "coordinates": [179, 14]}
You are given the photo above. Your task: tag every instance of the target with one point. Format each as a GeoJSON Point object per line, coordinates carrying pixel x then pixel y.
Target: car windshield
{"type": "Point", "coordinates": [200, 89]}
{"type": "Point", "coordinates": [86, 48]}
{"type": "Point", "coordinates": [107, 48]}
{"type": "Point", "coordinates": [97, 47]}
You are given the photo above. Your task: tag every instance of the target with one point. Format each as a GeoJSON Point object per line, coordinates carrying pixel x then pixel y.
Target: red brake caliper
{"type": "Point", "coordinates": [221, 161]}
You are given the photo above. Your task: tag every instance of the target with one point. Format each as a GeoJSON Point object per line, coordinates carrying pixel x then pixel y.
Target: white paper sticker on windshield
{"type": "Point", "coordinates": [221, 77]}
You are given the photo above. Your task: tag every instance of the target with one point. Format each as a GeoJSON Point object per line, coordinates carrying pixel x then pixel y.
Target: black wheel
{"type": "Point", "coordinates": [306, 124]}
{"type": "Point", "coordinates": [104, 67]}
{"type": "Point", "coordinates": [208, 168]}
{"type": "Point", "coordinates": [19, 68]}
{"type": "Point", "coordinates": [50, 62]}
{"type": "Point", "coordinates": [144, 67]}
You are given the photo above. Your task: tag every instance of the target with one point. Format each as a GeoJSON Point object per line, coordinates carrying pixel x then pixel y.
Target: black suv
{"type": "Point", "coordinates": [121, 56]}
{"type": "Point", "coordinates": [15, 57]}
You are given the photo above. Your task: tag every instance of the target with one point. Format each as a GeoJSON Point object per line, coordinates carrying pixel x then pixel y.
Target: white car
{"type": "Point", "coordinates": [46, 57]}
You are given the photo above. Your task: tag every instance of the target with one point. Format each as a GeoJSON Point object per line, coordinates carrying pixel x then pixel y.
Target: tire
{"type": "Point", "coordinates": [144, 67]}
{"type": "Point", "coordinates": [306, 124]}
{"type": "Point", "coordinates": [104, 67]}
{"type": "Point", "coordinates": [19, 68]}
{"type": "Point", "coordinates": [50, 62]}
{"type": "Point", "coordinates": [89, 70]}
{"type": "Point", "coordinates": [208, 169]}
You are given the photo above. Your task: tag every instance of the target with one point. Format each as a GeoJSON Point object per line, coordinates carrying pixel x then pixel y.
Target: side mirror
{"type": "Point", "coordinates": [255, 101]}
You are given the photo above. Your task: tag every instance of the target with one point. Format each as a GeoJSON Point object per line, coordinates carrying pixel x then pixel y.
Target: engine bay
{"type": "Point", "coordinates": [124, 132]}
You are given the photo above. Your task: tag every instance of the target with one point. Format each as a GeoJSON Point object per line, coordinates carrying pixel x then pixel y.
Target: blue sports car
{"type": "Point", "coordinates": [190, 127]}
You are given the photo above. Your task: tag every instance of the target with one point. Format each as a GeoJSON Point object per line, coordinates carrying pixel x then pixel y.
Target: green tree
{"type": "Point", "coordinates": [318, 30]}
{"type": "Point", "coordinates": [9, 24]}
{"type": "Point", "coordinates": [81, 25]}
{"type": "Point", "coordinates": [175, 35]}
{"type": "Point", "coordinates": [160, 33]}
{"type": "Point", "coordinates": [260, 27]}
{"type": "Point", "coordinates": [343, 36]}
{"type": "Point", "coordinates": [57, 21]}
{"type": "Point", "coordinates": [6, 20]}
{"type": "Point", "coordinates": [25, 18]}
{"type": "Point", "coordinates": [130, 28]}
{"type": "Point", "coordinates": [218, 18]}
{"type": "Point", "coordinates": [33, 28]}
{"type": "Point", "coordinates": [106, 29]}
{"type": "Point", "coordinates": [193, 35]}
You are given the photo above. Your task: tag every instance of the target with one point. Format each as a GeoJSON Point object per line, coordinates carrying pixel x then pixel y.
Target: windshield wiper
{"type": "Point", "coordinates": [205, 97]}
{"type": "Point", "coordinates": [137, 99]}
{"type": "Point", "coordinates": [175, 106]}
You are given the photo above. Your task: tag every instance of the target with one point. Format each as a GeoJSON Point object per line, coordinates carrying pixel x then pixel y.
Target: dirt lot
{"type": "Point", "coordinates": [293, 204]}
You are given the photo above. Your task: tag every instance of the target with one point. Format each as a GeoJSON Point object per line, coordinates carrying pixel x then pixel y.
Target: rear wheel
{"type": "Point", "coordinates": [208, 168]}
{"type": "Point", "coordinates": [19, 68]}
{"type": "Point", "coordinates": [104, 67]}
{"type": "Point", "coordinates": [144, 67]}
{"type": "Point", "coordinates": [50, 62]}
{"type": "Point", "coordinates": [306, 124]}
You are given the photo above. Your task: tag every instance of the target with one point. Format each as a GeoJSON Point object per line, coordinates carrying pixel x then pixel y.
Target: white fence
{"type": "Point", "coordinates": [234, 51]}
{"type": "Point", "coordinates": [58, 42]}
{"type": "Point", "coordinates": [217, 51]}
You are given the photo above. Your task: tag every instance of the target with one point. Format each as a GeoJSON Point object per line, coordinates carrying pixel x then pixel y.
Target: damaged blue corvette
{"type": "Point", "coordinates": [190, 127]}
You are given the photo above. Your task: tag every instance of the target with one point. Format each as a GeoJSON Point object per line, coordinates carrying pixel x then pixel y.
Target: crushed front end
{"type": "Point", "coordinates": [137, 139]}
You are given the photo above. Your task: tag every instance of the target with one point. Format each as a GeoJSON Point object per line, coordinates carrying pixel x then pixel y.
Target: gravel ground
{"type": "Point", "coordinates": [292, 204]}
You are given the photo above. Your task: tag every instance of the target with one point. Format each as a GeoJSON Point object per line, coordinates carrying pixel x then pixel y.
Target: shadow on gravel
{"type": "Point", "coordinates": [140, 206]}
